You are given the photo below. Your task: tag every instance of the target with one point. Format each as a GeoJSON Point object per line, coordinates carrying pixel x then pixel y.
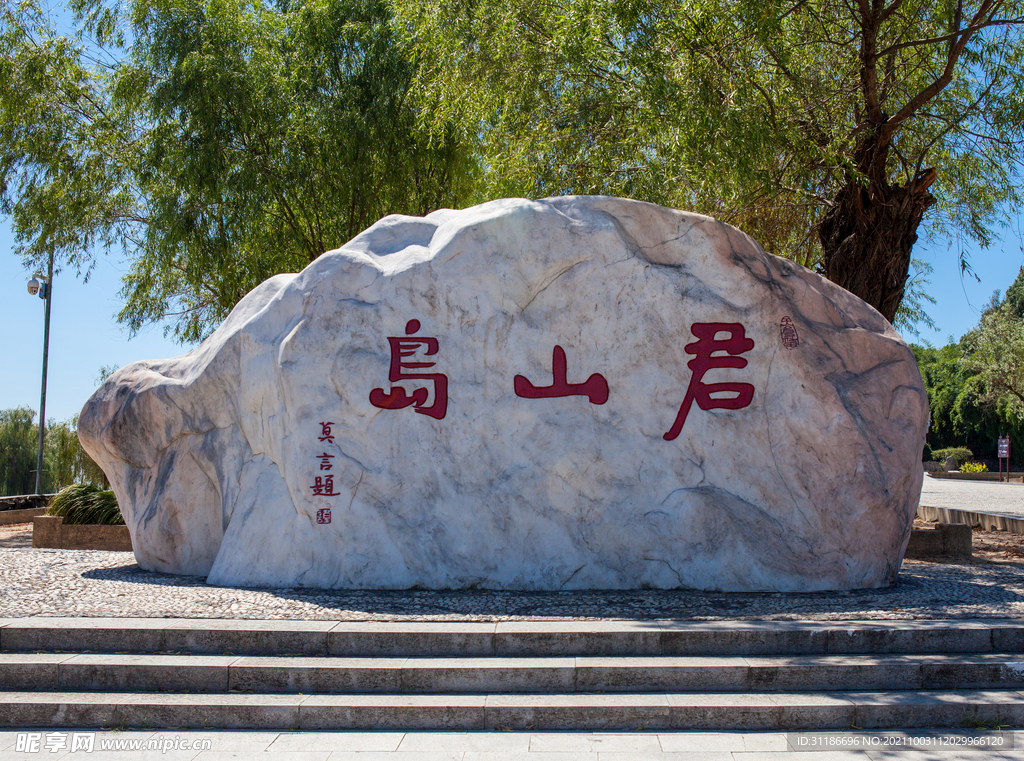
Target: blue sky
{"type": "Point", "coordinates": [85, 335]}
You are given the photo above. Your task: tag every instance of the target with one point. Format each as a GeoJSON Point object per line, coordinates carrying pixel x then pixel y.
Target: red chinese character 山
{"type": "Point", "coordinates": [396, 398]}
{"type": "Point", "coordinates": [704, 350]}
{"type": "Point", "coordinates": [595, 388]}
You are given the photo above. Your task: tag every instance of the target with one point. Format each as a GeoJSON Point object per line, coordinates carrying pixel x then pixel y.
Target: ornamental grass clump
{"type": "Point", "coordinates": [86, 504]}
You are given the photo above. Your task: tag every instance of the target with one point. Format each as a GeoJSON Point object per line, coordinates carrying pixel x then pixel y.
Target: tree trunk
{"type": "Point", "coordinates": [868, 234]}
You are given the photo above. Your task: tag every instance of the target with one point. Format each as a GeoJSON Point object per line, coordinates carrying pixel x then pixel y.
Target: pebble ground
{"type": "Point", "coordinates": [37, 582]}
{"type": "Point", "coordinates": [90, 583]}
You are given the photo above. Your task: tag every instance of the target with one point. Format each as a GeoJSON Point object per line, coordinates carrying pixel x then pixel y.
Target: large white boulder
{"type": "Point", "coordinates": [561, 425]}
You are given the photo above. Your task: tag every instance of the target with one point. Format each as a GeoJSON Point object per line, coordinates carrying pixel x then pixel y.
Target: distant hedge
{"type": "Point", "coordinates": [960, 454]}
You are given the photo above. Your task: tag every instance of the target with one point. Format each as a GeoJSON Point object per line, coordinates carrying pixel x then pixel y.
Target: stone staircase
{"type": "Point", "coordinates": [510, 675]}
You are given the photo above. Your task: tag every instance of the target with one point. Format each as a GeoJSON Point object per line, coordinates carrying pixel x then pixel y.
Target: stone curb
{"type": "Point", "coordinates": [509, 638]}
{"type": "Point", "coordinates": [982, 521]}
{"type": "Point", "coordinates": [683, 711]}
{"type": "Point", "coordinates": [50, 532]}
{"type": "Point", "coordinates": [11, 517]}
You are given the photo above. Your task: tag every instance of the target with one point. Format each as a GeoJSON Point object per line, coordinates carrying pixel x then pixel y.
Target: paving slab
{"type": "Point", "coordinates": [31, 671]}
{"type": "Point", "coordinates": [659, 674]}
{"type": "Point", "coordinates": [411, 638]}
{"type": "Point", "coordinates": [337, 741]}
{"type": "Point", "coordinates": [937, 708]}
{"type": "Point", "coordinates": [197, 710]}
{"type": "Point", "coordinates": [386, 712]}
{"type": "Point", "coordinates": [553, 712]}
{"type": "Point", "coordinates": [58, 709]}
{"type": "Point", "coordinates": [317, 675]}
{"type": "Point", "coordinates": [496, 674]}
{"type": "Point", "coordinates": [130, 673]}
{"type": "Point", "coordinates": [619, 742]}
{"type": "Point", "coordinates": [516, 638]}
{"type": "Point", "coordinates": [236, 636]}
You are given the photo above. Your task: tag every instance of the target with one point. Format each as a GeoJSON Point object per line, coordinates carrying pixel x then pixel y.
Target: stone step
{"type": "Point", "coordinates": [735, 711]}
{"type": "Point", "coordinates": [426, 675]}
{"type": "Point", "coordinates": [509, 638]}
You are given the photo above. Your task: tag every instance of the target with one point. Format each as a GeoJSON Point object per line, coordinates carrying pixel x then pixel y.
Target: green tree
{"type": "Point", "coordinates": [826, 129]}
{"type": "Point", "coordinates": [64, 460]}
{"type": "Point", "coordinates": [975, 384]}
{"type": "Point", "coordinates": [960, 415]}
{"type": "Point", "coordinates": [996, 359]}
{"type": "Point", "coordinates": [18, 448]}
{"type": "Point", "coordinates": [228, 142]}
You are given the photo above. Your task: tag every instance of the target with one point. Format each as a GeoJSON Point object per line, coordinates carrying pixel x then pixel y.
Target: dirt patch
{"type": "Point", "coordinates": [991, 546]}
{"type": "Point", "coordinates": [16, 536]}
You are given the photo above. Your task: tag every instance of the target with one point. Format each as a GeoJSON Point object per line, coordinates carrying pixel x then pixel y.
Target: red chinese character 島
{"type": "Point", "coordinates": [396, 398]}
{"type": "Point", "coordinates": [704, 349]}
{"type": "Point", "coordinates": [595, 388]}
{"type": "Point", "coordinates": [324, 486]}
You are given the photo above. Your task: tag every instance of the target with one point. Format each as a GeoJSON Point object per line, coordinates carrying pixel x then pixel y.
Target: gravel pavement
{"type": "Point", "coordinates": [38, 582]}
{"type": "Point", "coordinates": [974, 496]}
{"type": "Point", "coordinates": [104, 584]}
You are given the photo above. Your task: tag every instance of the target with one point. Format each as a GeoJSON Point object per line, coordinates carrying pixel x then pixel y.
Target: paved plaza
{"type": "Point", "coordinates": [974, 496]}
{"type": "Point", "coordinates": [525, 746]}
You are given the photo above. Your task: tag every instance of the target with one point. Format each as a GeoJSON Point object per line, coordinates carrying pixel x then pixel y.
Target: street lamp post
{"type": "Point", "coordinates": [45, 292]}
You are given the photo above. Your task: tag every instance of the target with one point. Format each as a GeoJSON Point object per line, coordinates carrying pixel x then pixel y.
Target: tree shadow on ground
{"type": "Point", "coordinates": [923, 590]}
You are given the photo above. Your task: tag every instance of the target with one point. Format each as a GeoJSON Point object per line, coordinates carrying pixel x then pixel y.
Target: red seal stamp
{"type": "Point", "coordinates": [324, 515]}
{"type": "Point", "coordinates": [788, 334]}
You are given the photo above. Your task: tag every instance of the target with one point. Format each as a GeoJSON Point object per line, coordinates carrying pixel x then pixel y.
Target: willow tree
{"type": "Point", "coordinates": [834, 131]}
{"type": "Point", "coordinates": [215, 142]}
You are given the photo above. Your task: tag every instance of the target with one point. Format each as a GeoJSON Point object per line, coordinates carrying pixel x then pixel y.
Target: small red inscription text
{"type": "Point", "coordinates": [788, 334]}
{"type": "Point", "coordinates": [324, 515]}
{"type": "Point", "coordinates": [324, 485]}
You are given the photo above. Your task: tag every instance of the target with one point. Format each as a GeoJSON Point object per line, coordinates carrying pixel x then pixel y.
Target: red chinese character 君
{"type": "Point", "coordinates": [595, 388]}
{"type": "Point", "coordinates": [324, 515]}
{"type": "Point", "coordinates": [396, 398]}
{"type": "Point", "coordinates": [324, 485]}
{"type": "Point", "coordinates": [704, 349]}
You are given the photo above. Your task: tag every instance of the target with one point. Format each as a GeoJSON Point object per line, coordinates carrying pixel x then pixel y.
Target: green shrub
{"type": "Point", "coordinates": [926, 455]}
{"type": "Point", "coordinates": [86, 504]}
{"type": "Point", "coordinates": [960, 454]}
{"type": "Point", "coordinates": [974, 467]}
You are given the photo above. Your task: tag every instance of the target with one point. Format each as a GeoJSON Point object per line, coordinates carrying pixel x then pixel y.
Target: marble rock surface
{"type": "Point", "coordinates": [579, 392]}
